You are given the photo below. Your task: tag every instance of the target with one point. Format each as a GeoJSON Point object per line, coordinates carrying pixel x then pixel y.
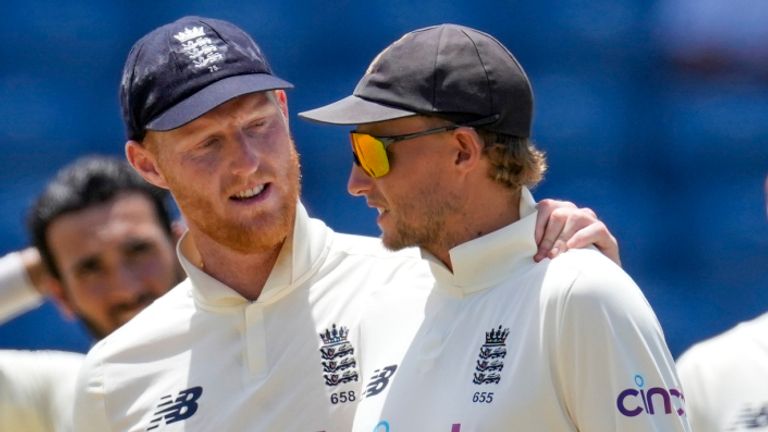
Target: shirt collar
{"type": "Point", "coordinates": [300, 257]}
{"type": "Point", "coordinates": [487, 260]}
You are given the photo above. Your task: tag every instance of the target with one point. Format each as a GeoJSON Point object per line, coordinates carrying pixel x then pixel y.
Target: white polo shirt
{"type": "Point", "coordinates": [726, 379]}
{"type": "Point", "coordinates": [203, 358]}
{"type": "Point", "coordinates": [504, 343]}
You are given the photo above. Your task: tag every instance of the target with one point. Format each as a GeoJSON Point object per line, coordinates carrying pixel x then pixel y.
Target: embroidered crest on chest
{"type": "Point", "coordinates": [337, 356]}
{"type": "Point", "coordinates": [490, 360]}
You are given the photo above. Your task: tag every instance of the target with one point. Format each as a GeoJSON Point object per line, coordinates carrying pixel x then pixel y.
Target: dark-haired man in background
{"type": "Point", "coordinates": [106, 251]}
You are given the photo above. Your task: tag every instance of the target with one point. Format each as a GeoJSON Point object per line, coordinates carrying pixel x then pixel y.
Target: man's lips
{"type": "Point", "coordinates": [249, 193]}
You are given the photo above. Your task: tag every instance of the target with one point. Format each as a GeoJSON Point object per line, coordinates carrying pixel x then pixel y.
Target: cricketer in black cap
{"type": "Point", "coordinates": [442, 151]}
{"type": "Point", "coordinates": [433, 85]}
{"type": "Point", "coordinates": [446, 69]}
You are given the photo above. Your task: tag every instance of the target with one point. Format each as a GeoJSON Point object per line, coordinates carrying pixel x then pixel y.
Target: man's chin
{"type": "Point", "coordinates": [96, 331]}
{"type": "Point", "coordinates": [394, 243]}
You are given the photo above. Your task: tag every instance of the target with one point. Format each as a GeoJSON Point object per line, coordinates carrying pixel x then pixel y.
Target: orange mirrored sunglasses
{"type": "Point", "coordinates": [370, 152]}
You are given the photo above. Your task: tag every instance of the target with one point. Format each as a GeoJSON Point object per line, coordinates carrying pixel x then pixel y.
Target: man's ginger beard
{"type": "Point", "coordinates": [259, 234]}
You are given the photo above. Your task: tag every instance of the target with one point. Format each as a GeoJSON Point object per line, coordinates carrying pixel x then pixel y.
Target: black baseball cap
{"type": "Point", "coordinates": [446, 69]}
{"type": "Point", "coordinates": [180, 71]}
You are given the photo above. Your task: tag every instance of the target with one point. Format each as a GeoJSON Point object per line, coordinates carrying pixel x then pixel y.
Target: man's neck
{"type": "Point", "coordinates": [245, 273]}
{"type": "Point", "coordinates": [483, 214]}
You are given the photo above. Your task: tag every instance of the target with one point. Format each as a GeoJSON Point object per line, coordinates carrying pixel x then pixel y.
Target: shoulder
{"type": "Point", "coordinates": [108, 372]}
{"type": "Point", "coordinates": [22, 365]}
{"type": "Point", "coordinates": [369, 252]}
{"type": "Point", "coordinates": [590, 300]}
{"type": "Point", "coordinates": [364, 266]}
{"type": "Point", "coordinates": [726, 350]}
{"type": "Point", "coordinates": [37, 368]}
{"type": "Point", "coordinates": [25, 357]}
{"type": "Point", "coordinates": [360, 245]}
{"type": "Point", "coordinates": [585, 276]}
{"type": "Point", "coordinates": [165, 318]}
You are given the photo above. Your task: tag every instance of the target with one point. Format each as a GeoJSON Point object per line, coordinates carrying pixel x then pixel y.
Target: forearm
{"type": "Point", "coordinates": [17, 292]}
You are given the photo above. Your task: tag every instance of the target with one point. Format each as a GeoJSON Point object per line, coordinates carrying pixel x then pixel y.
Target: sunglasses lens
{"type": "Point", "coordinates": [370, 154]}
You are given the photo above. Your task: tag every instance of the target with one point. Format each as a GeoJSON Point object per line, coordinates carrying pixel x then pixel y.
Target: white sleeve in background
{"type": "Point", "coordinates": [697, 373]}
{"type": "Point", "coordinates": [724, 379]}
{"type": "Point", "coordinates": [613, 363]}
{"type": "Point", "coordinates": [17, 293]}
{"type": "Point", "coordinates": [37, 390]}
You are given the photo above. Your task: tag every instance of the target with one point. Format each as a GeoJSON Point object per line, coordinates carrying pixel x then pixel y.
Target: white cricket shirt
{"type": "Point", "coordinates": [507, 344]}
{"type": "Point", "coordinates": [726, 379]}
{"type": "Point", "coordinates": [37, 390]}
{"type": "Point", "coordinates": [203, 358]}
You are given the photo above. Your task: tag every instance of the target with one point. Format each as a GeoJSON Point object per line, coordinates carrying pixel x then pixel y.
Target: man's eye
{"type": "Point", "coordinates": [138, 248]}
{"type": "Point", "coordinates": [209, 143]}
{"type": "Point", "coordinates": [89, 267]}
{"type": "Point", "coordinates": [256, 125]}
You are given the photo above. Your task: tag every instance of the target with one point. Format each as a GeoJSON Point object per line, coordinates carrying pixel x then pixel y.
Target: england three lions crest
{"type": "Point", "coordinates": [202, 51]}
{"type": "Point", "coordinates": [337, 357]}
{"type": "Point", "coordinates": [490, 360]}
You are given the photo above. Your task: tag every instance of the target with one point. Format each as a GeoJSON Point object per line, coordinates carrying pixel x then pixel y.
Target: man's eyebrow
{"type": "Point", "coordinates": [135, 242]}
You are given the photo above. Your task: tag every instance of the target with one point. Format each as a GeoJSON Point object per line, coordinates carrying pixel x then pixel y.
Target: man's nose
{"type": "Point", "coordinates": [359, 183]}
{"type": "Point", "coordinates": [247, 156]}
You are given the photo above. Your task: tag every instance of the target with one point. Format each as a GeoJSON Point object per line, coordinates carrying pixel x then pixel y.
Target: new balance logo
{"type": "Point", "coordinates": [751, 418]}
{"type": "Point", "coordinates": [379, 380]}
{"type": "Point", "coordinates": [171, 410]}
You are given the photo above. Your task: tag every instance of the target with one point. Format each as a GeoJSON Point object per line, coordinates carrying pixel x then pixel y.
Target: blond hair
{"type": "Point", "coordinates": [515, 161]}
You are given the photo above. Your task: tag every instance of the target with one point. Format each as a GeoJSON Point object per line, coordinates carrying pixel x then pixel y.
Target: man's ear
{"type": "Point", "coordinates": [282, 102]}
{"type": "Point", "coordinates": [61, 298]}
{"type": "Point", "coordinates": [145, 163]}
{"type": "Point", "coordinates": [178, 228]}
{"type": "Point", "coordinates": [469, 148]}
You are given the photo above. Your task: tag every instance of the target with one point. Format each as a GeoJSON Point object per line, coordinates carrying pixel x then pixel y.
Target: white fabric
{"type": "Point", "coordinates": [217, 362]}
{"type": "Point", "coordinates": [579, 340]}
{"type": "Point", "coordinates": [17, 294]}
{"type": "Point", "coordinates": [726, 379]}
{"type": "Point", "coordinates": [37, 390]}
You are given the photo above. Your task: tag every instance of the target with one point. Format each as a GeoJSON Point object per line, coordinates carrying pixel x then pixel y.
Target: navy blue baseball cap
{"type": "Point", "coordinates": [180, 71]}
{"type": "Point", "coordinates": [447, 69]}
